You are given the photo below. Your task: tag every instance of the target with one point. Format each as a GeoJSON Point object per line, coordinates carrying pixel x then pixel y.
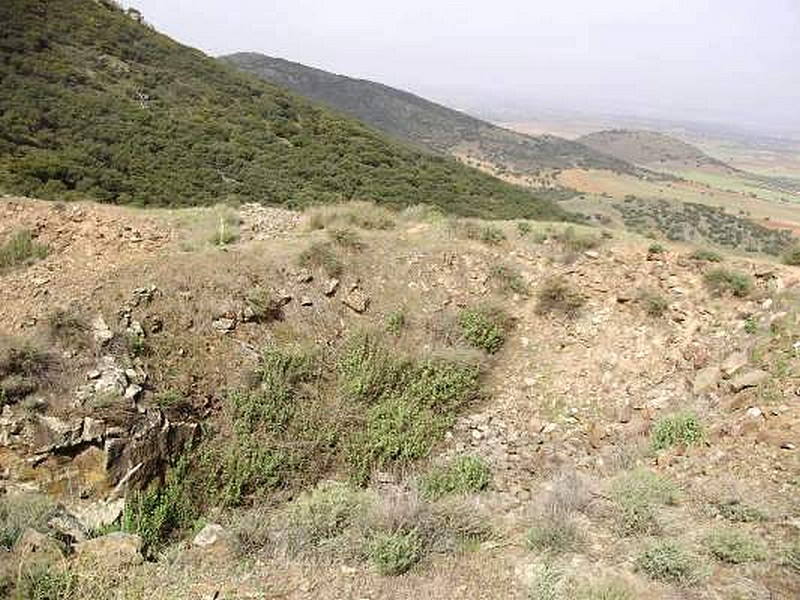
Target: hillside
{"type": "Point", "coordinates": [351, 402]}
{"type": "Point", "coordinates": [651, 149]}
{"type": "Point", "coordinates": [96, 104]}
{"type": "Point", "coordinates": [414, 119]}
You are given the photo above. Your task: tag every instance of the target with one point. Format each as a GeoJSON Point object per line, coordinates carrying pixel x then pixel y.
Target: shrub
{"type": "Point", "coordinates": [24, 367]}
{"type": "Point", "coordinates": [68, 328]}
{"type": "Point", "coordinates": [508, 280]}
{"type": "Point", "coordinates": [557, 535]}
{"type": "Point", "coordinates": [321, 255]}
{"type": "Point", "coordinates": [656, 248]}
{"type": "Point", "coordinates": [682, 429]}
{"type": "Point", "coordinates": [21, 249]}
{"type": "Point", "coordinates": [365, 370]}
{"type": "Point", "coordinates": [263, 307]}
{"type": "Point", "coordinates": [574, 242]}
{"type": "Point", "coordinates": [546, 583]}
{"type": "Point", "coordinates": [637, 496]}
{"type": "Point", "coordinates": [346, 238]}
{"type": "Point", "coordinates": [738, 512]}
{"type": "Point", "coordinates": [734, 547]}
{"type": "Point", "coordinates": [317, 518]}
{"type": "Point", "coordinates": [524, 228]}
{"type": "Point", "coordinates": [19, 512]}
{"type": "Point", "coordinates": [704, 255]}
{"type": "Point", "coordinates": [605, 590]}
{"type": "Point", "coordinates": [484, 328]}
{"type": "Point", "coordinates": [395, 322]}
{"type": "Point", "coordinates": [464, 475]}
{"type": "Point", "coordinates": [488, 234]}
{"type": "Point", "coordinates": [792, 256]}
{"type": "Point", "coordinates": [668, 561]}
{"type": "Point", "coordinates": [655, 305]}
{"type": "Point", "coordinates": [365, 215]}
{"type": "Point", "coordinates": [395, 553]}
{"type": "Point", "coordinates": [558, 296]}
{"type": "Point", "coordinates": [227, 229]}
{"type": "Point", "coordinates": [722, 281]}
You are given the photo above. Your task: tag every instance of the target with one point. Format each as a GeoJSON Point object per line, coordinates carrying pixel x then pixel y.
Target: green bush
{"type": "Point", "coordinates": [464, 475]}
{"type": "Point", "coordinates": [395, 322]}
{"type": "Point", "coordinates": [558, 534]}
{"type": "Point", "coordinates": [739, 512]}
{"type": "Point", "coordinates": [395, 553]}
{"type": "Point", "coordinates": [321, 255]}
{"type": "Point", "coordinates": [682, 429]}
{"type": "Point", "coordinates": [668, 561]}
{"type": "Point", "coordinates": [704, 255]}
{"type": "Point", "coordinates": [722, 281]}
{"type": "Point", "coordinates": [263, 307]}
{"type": "Point", "coordinates": [574, 242]}
{"type": "Point", "coordinates": [524, 228]}
{"type": "Point", "coordinates": [484, 328]}
{"type": "Point", "coordinates": [656, 248]}
{"type": "Point", "coordinates": [546, 584]}
{"type": "Point", "coordinates": [655, 305]}
{"type": "Point", "coordinates": [21, 249]}
{"type": "Point", "coordinates": [556, 295]}
{"type": "Point", "coordinates": [46, 583]}
{"type": "Point", "coordinates": [792, 256]}
{"type": "Point", "coordinates": [365, 370]}
{"type": "Point", "coordinates": [227, 229]}
{"type": "Point", "coordinates": [508, 279]}
{"type": "Point", "coordinates": [734, 547]}
{"type": "Point", "coordinates": [637, 497]}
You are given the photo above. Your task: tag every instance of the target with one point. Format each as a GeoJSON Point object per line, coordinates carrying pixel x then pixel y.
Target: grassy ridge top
{"type": "Point", "coordinates": [95, 104]}
{"type": "Point", "coordinates": [424, 123]}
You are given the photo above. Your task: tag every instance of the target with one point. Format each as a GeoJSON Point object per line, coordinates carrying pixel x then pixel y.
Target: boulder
{"type": "Point", "coordinates": [331, 286]}
{"type": "Point", "coordinates": [356, 300]}
{"type": "Point", "coordinates": [213, 539]}
{"type": "Point", "coordinates": [96, 515]}
{"type": "Point", "coordinates": [706, 379]}
{"type": "Point", "coordinates": [101, 331]}
{"type": "Point", "coordinates": [734, 363]}
{"type": "Point", "coordinates": [749, 379]}
{"type": "Point", "coordinates": [34, 548]}
{"type": "Point", "coordinates": [51, 433]}
{"type": "Point", "coordinates": [224, 325]}
{"type": "Point", "coordinates": [113, 550]}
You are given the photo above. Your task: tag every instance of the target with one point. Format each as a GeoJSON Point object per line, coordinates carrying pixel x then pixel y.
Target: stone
{"type": "Point", "coordinates": [305, 277]}
{"type": "Point", "coordinates": [306, 301]}
{"type": "Point", "coordinates": [594, 254]}
{"type": "Point", "coordinates": [112, 380]}
{"type": "Point", "coordinates": [101, 331]}
{"type": "Point", "coordinates": [754, 413]}
{"type": "Point", "coordinates": [96, 515]}
{"type": "Point", "coordinates": [36, 549]}
{"type": "Point", "coordinates": [356, 300]}
{"type": "Point", "coordinates": [133, 391]}
{"type": "Point", "coordinates": [224, 325]}
{"type": "Point", "coordinates": [749, 379]}
{"type": "Point", "coordinates": [626, 413]}
{"type": "Point", "coordinates": [68, 527]}
{"type": "Point", "coordinates": [50, 433]}
{"type": "Point", "coordinates": [706, 379]}
{"type": "Point", "coordinates": [735, 362]}
{"type": "Point", "coordinates": [625, 297]}
{"type": "Point", "coordinates": [213, 537]}
{"type": "Point", "coordinates": [331, 286]}
{"type": "Point", "coordinates": [93, 430]}
{"type": "Point", "coordinates": [113, 550]}
{"type": "Point", "coordinates": [93, 374]}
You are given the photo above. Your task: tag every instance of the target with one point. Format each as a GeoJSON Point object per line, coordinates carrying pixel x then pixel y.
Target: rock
{"type": "Point", "coordinates": [305, 277]}
{"type": "Point", "coordinates": [749, 379]}
{"type": "Point", "coordinates": [331, 286]}
{"type": "Point", "coordinates": [734, 363]}
{"type": "Point", "coordinates": [93, 374]}
{"type": "Point", "coordinates": [68, 527]}
{"type": "Point", "coordinates": [35, 548]}
{"type": "Point", "coordinates": [112, 380]}
{"type": "Point", "coordinates": [113, 550]}
{"type": "Point", "coordinates": [306, 301]}
{"type": "Point", "coordinates": [754, 413]}
{"type": "Point", "coordinates": [224, 325]}
{"type": "Point", "coordinates": [101, 331]}
{"type": "Point", "coordinates": [356, 300]}
{"type": "Point", "coordinates": [96, 515]}
{"type": "Point", "coordinates": [626, 413]}
{"type": "Point", "coordinates": [93, 430]}
{"type": "Point", "coordinates": [213, 537]}
{"type": "Point", "coordinates": [625, 297]}
{"type": "Point", "coordinates": [706, 379]}
{"type": "Point", "coordinates": [50, 433]}
{"type": "Point", "coordinates": [592, 254]}
{"type": "Point", "coordinates": [132, 392]}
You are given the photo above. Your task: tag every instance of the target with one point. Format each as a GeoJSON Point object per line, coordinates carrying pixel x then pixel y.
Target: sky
{"type": "Point", "coordinates": [728, 61]}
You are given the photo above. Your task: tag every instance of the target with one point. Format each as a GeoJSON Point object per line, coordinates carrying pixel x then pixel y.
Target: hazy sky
{"type": "Point", "coordinates": [734, 61]}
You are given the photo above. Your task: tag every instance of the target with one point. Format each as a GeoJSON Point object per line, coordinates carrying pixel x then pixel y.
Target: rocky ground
{"type": "Point", "coordinates": [163, 308]}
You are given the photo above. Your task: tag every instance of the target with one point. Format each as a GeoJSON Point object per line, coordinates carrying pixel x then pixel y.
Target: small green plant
{"type": "Point", "coordinates": [262, 306]}
{"type": "Point", "coordinates": [227, 229]}
{"type": "Point", "coordinates": [395, 323]}
{"type": "Point", "coordinates": [721, 281]}
{"type": "Point", "coordinates": [739, 512]}
{"type": "Point", "coordinates": [524, 228]}
{"type": "Point", "coordinates": [484, 328]}
{"type": "Point", "coordinates": [170, 399]}
{"type": "Point", "coordinates": [464, 475]}
{"type": "Point", "coordinates": [46, 583]}
{"type": "Point", "coordinates": [346, 238]}
{"type": "Point", "coordinates": [656, 248]}
{"type": "Point", "coordinates": [321, 255]}
{"type": "Point", "coordinates": [677, 429]}
{"type": "Point", "coordinates": [734, 547]}
{"type": "Point", "coordinates": [751, 325]}
{"type": "Point", "coordinates": [395, 553]}
{"type": "Point", "coordinates": [668, 561]}
{"type": "Point", "coordinates": [21, 249]}
{"type": "Point", "coordinates": [509, 280]}
{"type": "Point", "coordinates": [637, 496]}
{"type": "Point", "coordinates": [704, 255]}
{"type": "Point", "coordinates": [655, 305]}
{"type": "Point", "coordinates": [556, 295]}
{"type": "Point", "coordinates": [491, 234]}
{"type": "Point", "coordinates": [546, 583]}
{"type": "Point", "coordinates": [792, 256]}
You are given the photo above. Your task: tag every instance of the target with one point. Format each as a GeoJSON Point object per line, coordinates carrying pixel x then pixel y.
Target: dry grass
{"type": "Point", "coordinates": [364, 215]}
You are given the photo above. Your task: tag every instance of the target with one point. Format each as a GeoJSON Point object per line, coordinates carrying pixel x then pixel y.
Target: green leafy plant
{"type": "Point", "coordinates": [464, 475]}
{"type": "Point", "coordinates": [656, 248]}
{"type": "Point", "coordinates": [655, 305]}
{"type": "Point", "coordinates": [704, 255]}
{"type": "Point", "coordinates": [484, 328]}
{"type": "Point", "coordinates": [321, 255]}
{"type": "Point", "coordinates": [524, 228]}
{"type": "Point", "coordinates": [792, 256]}
{"type": "Point", "coordinates": [637, 497]}
{"type": "Point", "coordinates": [395, 553]}
{"type": "Point", "coordinates": [346, 238]}
{"type": "Point", "coordinates": [668, 561]}
{"type": "Point", "coordinates": [395, 322]}
{"type": "Point", "coordinates": [721, 280]}
{"type": "Point", "coordinates": [556, 535]}
{"type": "Point", "coordinates": [734, 547]}
{"type": "Point", "coordinates": [739, 512]}
{"type": "Point", "coordinates": [682, 429]}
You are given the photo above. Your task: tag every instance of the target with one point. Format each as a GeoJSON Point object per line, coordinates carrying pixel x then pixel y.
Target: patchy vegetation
{"type": "Point", "coordinates": [21, 249]}
{"type": "Point", "coordinates": [705, 255]}
{"type": "Point", "coordinates": [734, 547]}
{"type": "Point", "coordinates": [668, 561]}
{"type": "Point", "coordinates": [321, 255]}
{"type": "Point", "coordinates": [722, 281]}
{"type": "Point", "coordinates": [464, 475]}
{"type": "Point", "coordinates": [682, 429]}
{"type": "Point", "coordinates": [637, 498]}
{"type": "Point", "coordinates": [508, 280]}
{"type": "Point", "coordinates": [484, 328]}
{"type": "Point", "coordinates": [558, 296]}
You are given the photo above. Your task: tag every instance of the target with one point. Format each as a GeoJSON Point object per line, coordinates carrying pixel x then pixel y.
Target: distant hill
{"type": "Point", "coordinates": [427, 124]}
{"type": "Point", "coordinates": [96, 104]}
{"type": "Point", "coordinates": [651, 149]}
